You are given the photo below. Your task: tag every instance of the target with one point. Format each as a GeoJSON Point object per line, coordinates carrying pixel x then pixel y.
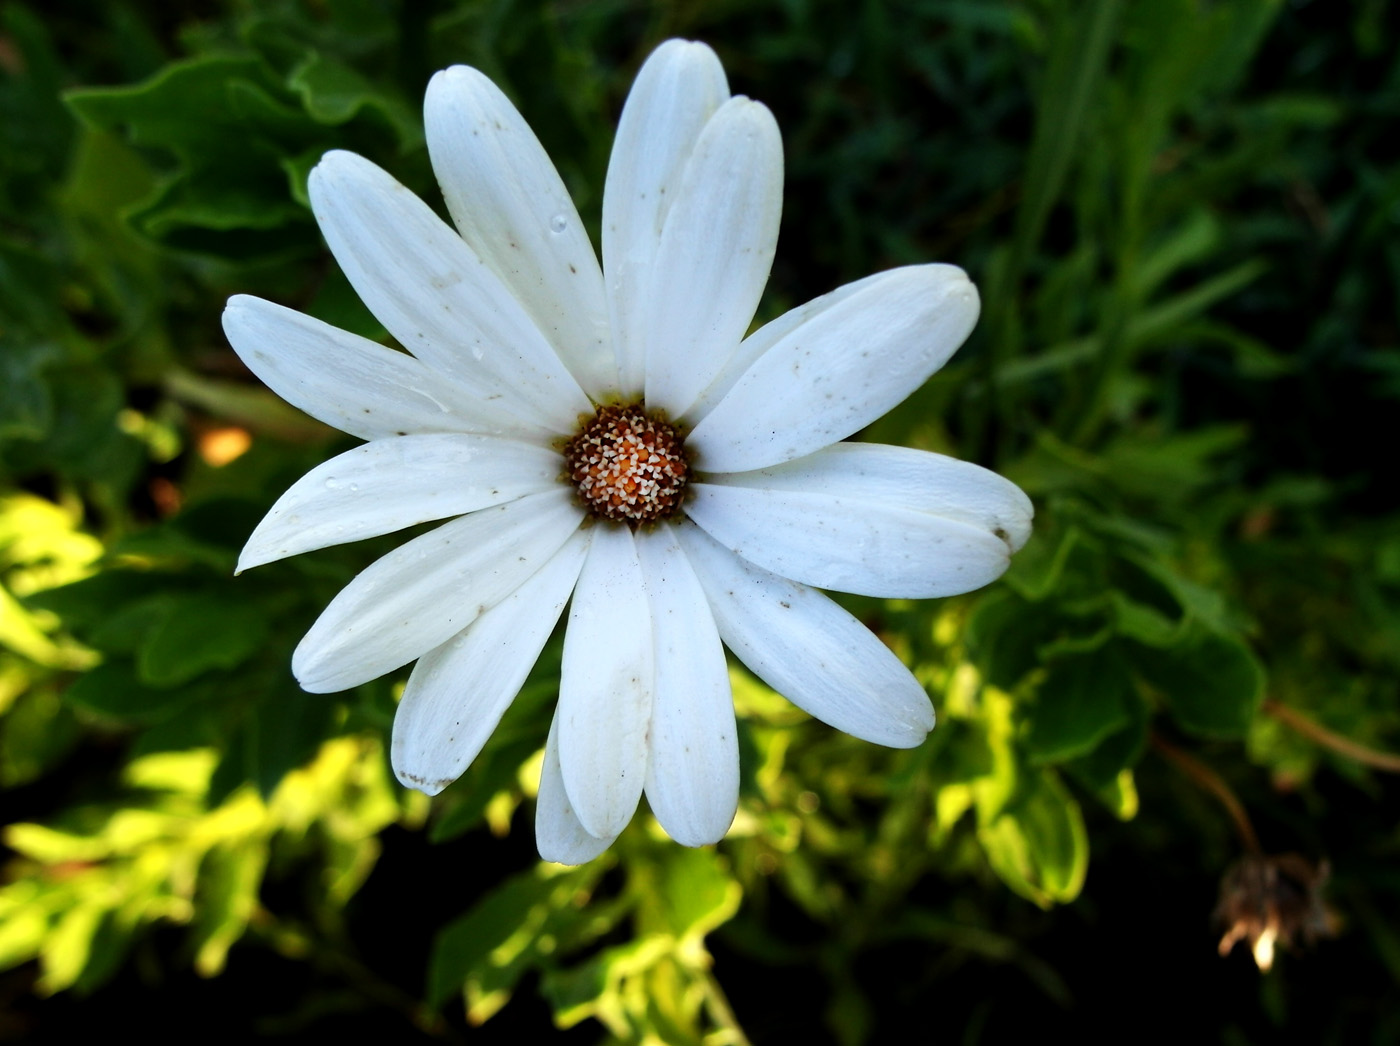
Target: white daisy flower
{"type": "Point", "coordinates": [609, 440]}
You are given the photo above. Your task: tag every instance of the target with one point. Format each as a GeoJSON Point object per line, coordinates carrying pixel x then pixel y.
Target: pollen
{"type": "Point", "coordinates": [629, 466]}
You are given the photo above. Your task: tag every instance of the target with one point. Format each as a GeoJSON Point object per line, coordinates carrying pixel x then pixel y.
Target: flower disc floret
{"type": "Point", "coordinates": [629, 466]}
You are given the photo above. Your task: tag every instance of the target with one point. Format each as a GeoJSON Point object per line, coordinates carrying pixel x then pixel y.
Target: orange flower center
{"type": "Point", "coordinates": [629, 466]}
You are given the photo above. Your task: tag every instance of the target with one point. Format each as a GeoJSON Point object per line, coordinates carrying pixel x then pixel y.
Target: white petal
{"type": "Point", "coordinates": [426, 591]}
{"type": "Point", "coordinates": [352, 383]}
{"type": "Point", "coordinates": [435, 295]}
{"type": "Point", "coordinates": [763, 339]}
{"type": "Point", "coordinates": [511, 206]}
{"type": "Point", "coordinates": [394, 483]}
{"type": "Point", "coordinates": [840, 370]}
{"type": "Point", "coordinates": [877, 474]}
{"type": "Point", "coordinates": [715, 254]}
{"type": "Point", "coordinates": [558, 834]}
{"type": "Point", "coordinates": [677, 90]}
{"type": "Point", "coordinates": [605, 689]}
{"type": "Point", "coordinates": [458, 692]}
{"type": "Point", "coordinates": [848, 544]}
{"type": "Point", "coordinates": [693, 775]}
{"type": "Point", "coordinates": [809, 649]}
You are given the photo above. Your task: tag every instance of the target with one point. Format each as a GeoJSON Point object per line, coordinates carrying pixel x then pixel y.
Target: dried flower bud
{"type": "Point", "coordinates": [1271, 900]}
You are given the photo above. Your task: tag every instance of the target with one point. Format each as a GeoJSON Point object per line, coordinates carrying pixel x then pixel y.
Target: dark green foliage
{"type": "Point", "coordinates": [1182, 218]}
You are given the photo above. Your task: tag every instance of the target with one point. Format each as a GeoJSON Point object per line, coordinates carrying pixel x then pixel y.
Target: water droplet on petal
{"type": "Point", "coordinates": [558, 224]}
{"type": "Point", "coordinates": [332, 484]}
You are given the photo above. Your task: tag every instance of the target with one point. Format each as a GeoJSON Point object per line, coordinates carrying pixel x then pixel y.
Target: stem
{"type": "Point", "coordinates": [1215, 785]}
{"type": "Point", "coordinates": [1295, 720]}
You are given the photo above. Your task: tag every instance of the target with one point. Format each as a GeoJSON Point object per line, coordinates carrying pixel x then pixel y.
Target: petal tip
{"type": "Point", "coordinates": [676, 45]}
{"type": "Point", "coordinates": [550, 855]}
{"type": "Point", "coordinates": [567, 843]}
{"type": "Point", "coordinates": [911, 735]}
{"type": "Point", "coordinates": [426, 785]}
{"type": "Point", "coordinates": [693, 61]}
{"type": "Point", "coordinates": [453, 78]}
{"type": "Point", "coordinates": [335, 166]}
{"type": "Point", "coordinates": [257, 550]}
{"type": "Point", "coordinates": [1014, 533]}
{"type": "Point", "coordinates": [237, 316]}
{"type": "Point", "coordinates": [247, 561]}
{"type": "Point", "coordinates": [751, 118]}
{"type": "Point", "coordinates": [310, 674]}
{"type": "Point", "coordinates": [333, 158]}
{"type": "Point", "coordinates": [696, 838]}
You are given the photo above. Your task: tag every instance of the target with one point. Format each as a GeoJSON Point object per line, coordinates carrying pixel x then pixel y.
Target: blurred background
{"type": "Point", "coordinates": [1166, 734]}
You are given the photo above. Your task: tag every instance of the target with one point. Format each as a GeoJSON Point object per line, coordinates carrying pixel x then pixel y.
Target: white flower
{"type": "Point", "coordinates": [608, 439]}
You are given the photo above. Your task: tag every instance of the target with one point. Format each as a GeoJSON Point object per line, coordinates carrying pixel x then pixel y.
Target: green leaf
{"type": "Point", "coordinates": [1119, 795]}
{"type": "Point", "coordinates": [176, 550]}
{"type": "Point", "coordinates": [333, 93]}
{"type": "Point", "coordinates": [196, 725]}
{"type": "Point", "coordinates": [274, 737]}
{"type": "Point", "coordinates": [107, 951]}
{"type": "Point", "coordinates": [219, 522]}
{"type": "Point", "coordinates": [23, 920]}
{"type": "Point", "coordinates": [1236, 31]}
{"type": "Point", "coordinates": [698, 892]}
{"type": "Point", "coordinates": [1174, 467]}
{"type": "Point", "coordinates": [219, 119]}
{"type": "Point", "coordinates": [1080, 701]}
{"type": "Point", "coordinates": [1116, 753]}
{"type": "Point", "coordinates": [1191, 241]}
{"type": "Point", "coordinates": [91, 602]}
{"type": "Point", "coordinates": [507, 932]}
{"type": "Point", "coordinates": [1210, 681]}
{"type": "Point", "coordinates": [580, 992]}
{"type": "Point", "coordinates": [228, 896]}
{"type": "Point", "coordinates": [35, 331]}
{"type": "Point", "coordinates": [124, 630]}
{"type": "Point", "coordinates": [1038, 844]}
{"type": "Point", "coordinates": [37, 130]}
{"type": "Point", "coordinates": [1144, 623]}
{"type": "Point", "coordinates": [186, 108]}
{"type": "Point", "coordinates": [66, 950]}
{"type": "Point", "coordinates": [180, 211]}
{"type": "Point", "coordinates": [1165, 319]}
{"type": "Point", "coordinates": [1081, 42]}
{"type": "Point", "coordinates": [1155, 605]}
{"type": "Point", "coordinates": [1036, 570]}
{"type": "Point", "coordinates": [1004, 634]}
{"type": "Point", "coordinates": [83, 439]}
{"type": "Point", "coordinates": [198, 633]}
{"type": "Point", "coordinates": [25, 406]}
{"type": "Point", "coordinates": [39, 731]}
{"type": "Point", "coordinates": [112, 690]}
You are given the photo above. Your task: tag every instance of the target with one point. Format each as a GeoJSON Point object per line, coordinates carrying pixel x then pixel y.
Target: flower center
{"type": "Point", "coordinates": [629, 466]}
